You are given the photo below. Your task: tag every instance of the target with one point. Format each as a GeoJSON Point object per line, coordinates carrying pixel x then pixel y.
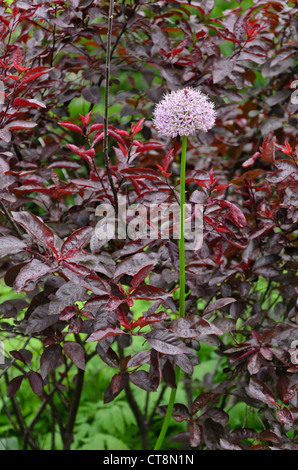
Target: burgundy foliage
{"type": "Point", "coordinates": [79, 292]}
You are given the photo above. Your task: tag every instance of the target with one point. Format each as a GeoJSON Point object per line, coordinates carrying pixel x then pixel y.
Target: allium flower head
{"type": "Point", "coordinates": [182, 112]}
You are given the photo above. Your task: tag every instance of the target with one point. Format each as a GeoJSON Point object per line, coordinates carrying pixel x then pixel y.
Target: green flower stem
{"type": "Point", "coordinates": [182, 215]}
{"type": "Point", "coordinates": [168, 415]}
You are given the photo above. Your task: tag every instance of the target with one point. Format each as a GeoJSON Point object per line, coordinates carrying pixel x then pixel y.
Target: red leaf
{"type": "Point", "coordinates": [76, 353]}
{"type": "Point", "coordinates": [149, 146]}
{"type": "Point", "coordinates": [149, 293]}
{"type": "Point", "coordinates": [141, 275]}
{"type": "Point", "coordinates": [113, 303]}
{"type": "Point", "coordinates": [67, 313]}
{"type": "Point", "coordinates": [71, 126]}
{"type": "Point", "coordinates": [38, 229]}
{"type": "Point", "coordinates": [96, 127]}
{"type": "Point", "coordinates": [122, 318]}
{"type": "Point", "coordinates": [116, 136]}
{"type": "Point", "coordinates": [30, 103]}
{"type": "Point", "coordinates": [168, 158]}
{"type": "Point", "coordinates": [100, 334]}
{"type": "Point", "coordinates": [137, 127]}
{"type": "Point", "coordinates": [76, 241]}
{"type": "Point", "coordinates": [154, 318]}
{"type": "Point", "coordinates": [17, 125]}
{"type": "Point", "coordinates": [87, 155]}
{"type": "Point", "coordinates": [17, 58]}
{"type": "Point", "coordinates": [85, 119]}
{"type": "Point", "coordinates": [234, 214]}
{"type": "Point", "coordinates": [268, 150]}
{"type": "Point", "coordinates": [35, 73]}
{"type": "Point", "coordinates": [140, 173]}
{"type": "Point", "coordinates": [250, 161]}
{"type": "Point", "coordinates": [99, 136]}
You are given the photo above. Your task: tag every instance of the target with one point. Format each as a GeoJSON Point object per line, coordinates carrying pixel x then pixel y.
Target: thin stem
{"type": "Point", "coordinates": [106, 111]}
{"type": "Point", "coordinates": [182, 289]}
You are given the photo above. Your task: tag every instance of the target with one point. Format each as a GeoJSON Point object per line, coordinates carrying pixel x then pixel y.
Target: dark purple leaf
{"type": "Point", "coordinates": [183, 361]}
{"type": "Point", "coordinates": [141, 379]}
{"type": "Point", "coordinates": [76, 353]}
{"type": "Point", "coordinates": [218, 304]}
{"type": "Point", "coordinates": [180, 412]}
{"type": "Point", "coordinates": [117, 384]}
{"type": "Point", "coordinates": [269, 436]}
{"type": "Point", "coordinates": [108, 356]}
{"type": "Point", "coordinates": [201, 401]}
{"type": "Point", "coordinates": [195, 434]}
{"type": "Point", "coordinates": [66, 296]}
{"type": "Point", "coordinates": [40, 319]}
{"type": "Point", "coordinates": [260, 391]}
{"type": "Point", "coordinates": [49, 359]}
{"type": "Point", "coordinates": [100, 334]}
{"type": "Point", "coordinates": [228, 444]}
{"type": "Point", "coordinates": [254, 363]}
{"type": "Point", "coordinates": [212, 432]}
{"type": "Point", "coordinates": [11, 245]}
{"type": "Point", "coordinates": [30, 273]}
{"type": "Point", "coordinates": [75, 325]}
{"type": "Point", "coordinates": [76, 241]}
{"type": "Point", "coordinates": [36, 382]}
{"type": "Point", "coordinates": [140, 358]}
{"type": "Point", "coordinates": [168, 374]}
{"type": "Point", "coordinates": [149, 319]}
{"type": "Point", "coordinates": [290, 393]}
{"type": "Point", "coordinates": [165, 342]}
{"type": "Point", "coordinates": [35, 226]}
{"type": "Point", "coordinates": [14, 385]}
{"type": "Point", "coordinates": [22, 355]}
{"type": "Point", "coordinates": [222, 69]}
{"type": "Point", "coordinates": [141, 275]}
{"type": "Point", "coordinates": [149, 293]}
{"type": "Point", "coordinates": [67, 313]}
{"type": "Point", "coordinates": [154, 371]}
{"type": "Point", "coordinates": [285, 416]}
{"type": "Point", "coordinates": [217, 415]}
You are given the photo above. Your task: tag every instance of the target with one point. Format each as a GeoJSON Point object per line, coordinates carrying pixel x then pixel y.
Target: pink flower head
{"type": "Point", "coordinates": [182, 112]}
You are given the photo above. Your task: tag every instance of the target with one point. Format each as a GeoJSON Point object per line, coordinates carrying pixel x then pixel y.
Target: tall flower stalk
{"type": "Point", "coordinates": [181, 113]}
